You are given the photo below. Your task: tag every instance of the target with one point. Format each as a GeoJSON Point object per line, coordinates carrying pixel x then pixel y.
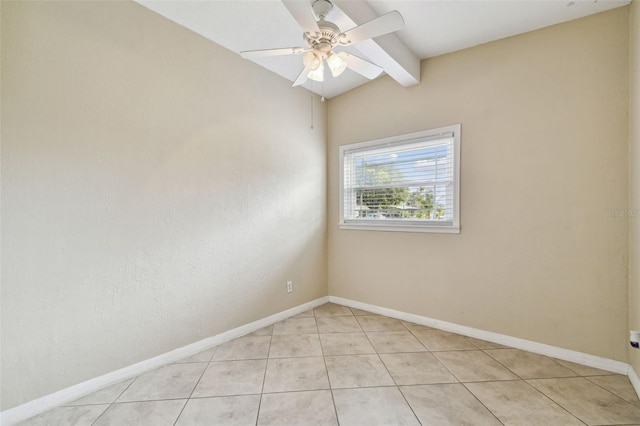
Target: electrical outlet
{"type": "Point", "coordinates": [289, 286]}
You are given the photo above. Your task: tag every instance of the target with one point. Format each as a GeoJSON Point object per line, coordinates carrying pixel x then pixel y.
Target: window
{"type": "Point", "coordinates": [402, 183]}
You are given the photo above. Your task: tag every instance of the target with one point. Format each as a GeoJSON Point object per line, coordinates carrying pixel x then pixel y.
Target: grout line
{"type": "Point", "coordinates": [493, 381]}
{"type": "Point", "coordinates": [504, 366]}
{"type": "Point", "coordinates": [482, 403]}
{"type": "Point", "coordinates": [135, 401]}
{"type": "Point", "coordinates": [446, 368]}
{"type": "Point", "coordinates": [326, 369]}
{"type": "Point", "coordinates": [114, 401]}
{"type": "Point", "coordinates": [571, 369]}
{"type": "Point", "coordinates": [608, 390]}
{"type": "Point", "coordinates": [553, 400]}
{"type": "Point", "coordinates": [416, 337]}
{"type": "Point", "coordinates": [397, 387]}
{"type": "Point", "coordinates": [233, 395]}
{"type": "Point", "coordinates": [264, 377]}
{"type": "Point", "coordinates": [192, 391]}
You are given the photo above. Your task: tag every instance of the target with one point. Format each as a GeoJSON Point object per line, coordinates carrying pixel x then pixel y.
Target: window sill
{"type": "Point", "coordinates": [400, 228]}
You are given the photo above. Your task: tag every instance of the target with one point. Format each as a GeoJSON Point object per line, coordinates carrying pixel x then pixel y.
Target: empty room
{"type": "Point", "coordinates": [314, 212]}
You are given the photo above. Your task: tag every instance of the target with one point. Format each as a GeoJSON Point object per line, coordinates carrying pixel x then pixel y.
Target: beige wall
{"type": "Point", "coordinates": [634, 178]}
{"type": "Point", "coordinates": [157, 190]}
{"type": "Point", "coordinates": [544, 156]}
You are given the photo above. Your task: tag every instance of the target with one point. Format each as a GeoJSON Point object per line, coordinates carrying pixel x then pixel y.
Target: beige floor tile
{"type": "Point", "coordinates": [173, 381]}
{"type": "Point", "coordinates": [417, 327]}
{"type": "Point", "coordinates": [304, 363]}
{"type": "Point", "coordinates": [582, 370]}
{"type": "Point", "coordinates": [345, 344]}
{"type": "Point", "coordinates": [309, 408]}
{"type": "Point", "coordinates": [483, 344]}
{"type": "Point", "coordinates": [222, 410]}
{"type": "Point", "coordinates": [619, 385]}
{"type": "Point", "coordinates": [518, 404]}
{"type": "Point", "coordinates": [350, 371]}
{"type": "Point", "coordinates": [69, 416]}
{"type": "Point", "coordinates": [295, 345]}
{"type": "Point", "coordinates": [149, 413]}
{"type": "Point", "coordinates": [104, 396]}
{"type": "Point", "coordinates": [265, 331]}
{"type": "Point", "coordinates": [380, 323]}
{"type": "Point", "coordinates": [248, 347]}
{"type": "Point", "coordinates": [343, 324]}
{"type": "Point", "coordinates": [416, 369]}
{"type": "Point", "coordinates": [203, 356]}
{"type": "Point", "coordinates": [373, 406]}
{"type": "Point", "coordinates": [295, 326]}
{"type": "Point", "coordinates": [360, 312]}
{"type": "Point", "coordinates": [474, 366]}
{"type": "Point", "coordinates": [305, 314]}
{"type": "Point", "coordinates": [295, 374]}
{"type": "Point", "coordinates": [588, 401]}
{"type": "Point", "coordinates": [447, 405]}
{"type": "Point", "coordinates": [528, 365]}
{"type": "Point", "coordinates": [232, 378]}
{"type": "Point", "coordinates": [438, 340]}
{"type": "Point", "coordinates": [331, 310]}
{"type": "Point", "coordinates": [394, 341]}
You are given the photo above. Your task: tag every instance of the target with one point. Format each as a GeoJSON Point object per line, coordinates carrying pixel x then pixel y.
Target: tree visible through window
{"type": "Point", "coordinates": [409, 180]}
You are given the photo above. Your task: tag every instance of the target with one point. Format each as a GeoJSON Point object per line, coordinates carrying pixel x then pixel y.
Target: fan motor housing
{"type": "Point", "coordinates": [325, 40]}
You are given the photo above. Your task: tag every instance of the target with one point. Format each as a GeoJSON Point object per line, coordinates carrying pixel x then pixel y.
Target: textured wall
{"type": "Point", "coordinates": [634, 178]}
{"type": "Point", "coordinates": [544, 156]}
{"type": "Point", "coordinates": [156, 190]}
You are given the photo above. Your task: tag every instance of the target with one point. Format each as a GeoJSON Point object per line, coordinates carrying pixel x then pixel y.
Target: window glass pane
{"type": "Point", "coordinates": [401, 183]}
{"type": "Point", "coordinates": [410, 179]}
{"type": "Point", "coordinates": [403, 166]}
{"type": "Point", "coordinates": [415, 203]}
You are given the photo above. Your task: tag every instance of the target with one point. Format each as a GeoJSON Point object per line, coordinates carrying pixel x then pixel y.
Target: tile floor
{"type": "Point", "coordinates": [336, 365]}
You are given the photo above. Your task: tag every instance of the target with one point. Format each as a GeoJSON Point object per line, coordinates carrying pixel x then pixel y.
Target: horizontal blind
{"type": "Point", "coordinates": [408, 181]}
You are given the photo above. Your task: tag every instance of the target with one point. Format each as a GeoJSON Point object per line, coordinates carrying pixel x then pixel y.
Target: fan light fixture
{"type": "Point", "coordinates": [322, 36]}
{"type": "Point", "coordinates": [311, 61]}
{"type": "Point", "coordinates": [337, 63]}
{"type": "Point", "coordinates": [317, 74]}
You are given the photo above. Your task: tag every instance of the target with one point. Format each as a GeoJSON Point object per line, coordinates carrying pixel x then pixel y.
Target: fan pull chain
{"type": "Point", "coordinates": [311, 112]}
{"type": "Point", "coordinates": [322, 90]}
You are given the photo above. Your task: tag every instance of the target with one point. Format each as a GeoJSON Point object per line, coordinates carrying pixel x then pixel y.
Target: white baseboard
{"type": "Point", "coordinates": [635, 380]}
{"type": "Point", "coordinates": [48, 402]}
{"type": "Point", "coordinates": [56, 399]}
{"type": "Point", "coordinates": [514, 342]}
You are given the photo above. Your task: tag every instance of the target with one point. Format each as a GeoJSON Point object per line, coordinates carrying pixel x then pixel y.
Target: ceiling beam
{"type": "Point", "coordinates": [386, 51]}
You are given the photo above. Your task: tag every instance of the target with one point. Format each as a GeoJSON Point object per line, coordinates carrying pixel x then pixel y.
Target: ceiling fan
{"type": "Point", "coordinates": [321, 37]}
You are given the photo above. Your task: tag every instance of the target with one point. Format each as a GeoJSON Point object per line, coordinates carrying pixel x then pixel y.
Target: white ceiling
{"type": "Point", "coordinates": [433, 27]}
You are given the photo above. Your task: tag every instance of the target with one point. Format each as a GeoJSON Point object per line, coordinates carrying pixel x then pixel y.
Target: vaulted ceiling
{"type": "Point", "coordinates": [431, 28]}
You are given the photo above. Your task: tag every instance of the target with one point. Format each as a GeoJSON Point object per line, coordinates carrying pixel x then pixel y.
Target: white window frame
{"type": "Point", "coordinates": [452, 226]}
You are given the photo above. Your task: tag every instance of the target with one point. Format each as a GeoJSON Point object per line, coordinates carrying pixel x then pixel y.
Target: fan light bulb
{"type": "Point", "coordinates": [311, 61]}
{"type": "Point", "coordinates": [317, 74]}
{"type": "Point", "coordinates": [337, 63]}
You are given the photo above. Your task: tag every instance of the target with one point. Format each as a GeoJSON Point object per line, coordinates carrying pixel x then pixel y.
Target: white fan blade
{"type": "Point", "coordinates": [303, 14]}
{"type": "Point", "coordinates": [302, 77]}
{"type": "Point", "coordinates": [385, 24]}
{"type": "Point", "coordinates": [271, 52]}
{"type": "Point", "coordinates": [363, 67]}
